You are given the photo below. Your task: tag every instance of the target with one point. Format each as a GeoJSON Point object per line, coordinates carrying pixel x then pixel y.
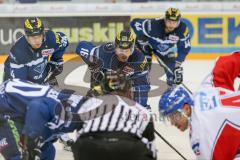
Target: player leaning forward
{"type": "Point", "coordinates": [120, 57]}
{"type": "Point", "coordinates": [118, 127]}
{"type": "Point", "coordinates": [159, 36]}
{"type": "Point", "coordinates": [213, 113]}
{"type": "Point", "coordinates": [28, 57]}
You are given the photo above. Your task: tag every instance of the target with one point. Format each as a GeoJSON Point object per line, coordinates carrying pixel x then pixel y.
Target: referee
{"type": "Point", "coordinates": [117, 127]}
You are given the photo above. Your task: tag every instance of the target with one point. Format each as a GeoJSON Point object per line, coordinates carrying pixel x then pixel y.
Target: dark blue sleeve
{"type": "Point", "coordinates": [183, 45]}
{"type": "Point", "coordinates": [141, 85]}
{"type": "Point", "coordinates": [39, 113]}
{"type": "Point", "coordinates": [87, 51]}
{"type": "Point", "coordinates": [137, 26]}
{"type": "Point", "coordinates": [61, 43]}
{"type": "Point", "coordinates": [141, 89]}
{"type": "Point", "coordinates": [16, 68]}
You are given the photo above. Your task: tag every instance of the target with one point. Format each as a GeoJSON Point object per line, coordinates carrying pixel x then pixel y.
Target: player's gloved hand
{"type": "Point", "coordinates": [52, 81]}
{"type": "Point", "coordinates": [55, 68]}
{"type": "Point", "coordinates": [96, 65]}
{"type": "Point", "coordinates": [114, 80]}
{"type": "Point", "coordinates": [31, 147]}
{"type": "Point", "coordinates": [95, 91]}
{"type": "Point", "coordinates": [178, 75]}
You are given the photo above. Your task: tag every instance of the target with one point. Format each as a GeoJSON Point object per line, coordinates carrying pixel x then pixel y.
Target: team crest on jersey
{"type": "Point", "coordinates": [173, 38]}
{"type": "Point", "coordinates": [3, 143]}
{"type": "Point", "coordinates": [46, 52]}
{"type": "Point", "coordinates": [163, 47]}
{"type": "Point", "coordinates": [40, 68]}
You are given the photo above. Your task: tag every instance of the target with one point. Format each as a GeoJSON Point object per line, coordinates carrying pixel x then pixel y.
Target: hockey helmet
{"type": "Point", "coordinates": [33, 26]}
{"type": "Point", "coordinates": [124, 40]}
{"type": "Point", "coordinates": [173, 14]}
{"type": "Point", "coordinates": [173, 100]}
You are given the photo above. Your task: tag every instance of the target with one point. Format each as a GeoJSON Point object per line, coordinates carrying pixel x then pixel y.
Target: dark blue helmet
{"type": "Point", "coordinates": [174, 99]}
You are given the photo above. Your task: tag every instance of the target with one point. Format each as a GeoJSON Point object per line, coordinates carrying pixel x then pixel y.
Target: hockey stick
{"type": "Point", "coordinates": [161, 63]}
{"type": "Point", "coordinates": [47, 77]}
{"type": "Point", "coordinates": [160, 136]}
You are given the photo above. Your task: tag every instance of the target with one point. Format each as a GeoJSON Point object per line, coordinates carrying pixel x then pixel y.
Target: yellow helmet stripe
{"type": "Point", "coordinates": [28, 25]}
{"type": "Point", "coordinates": [131, 38]}
{"type": "Point", "coordinates": [39, 23]}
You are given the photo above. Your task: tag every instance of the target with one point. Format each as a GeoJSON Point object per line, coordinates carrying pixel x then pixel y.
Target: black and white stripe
{"type": "Point", "coordinates": [123, 117]}
{"type": "Point", "coordinates": [119, 117]}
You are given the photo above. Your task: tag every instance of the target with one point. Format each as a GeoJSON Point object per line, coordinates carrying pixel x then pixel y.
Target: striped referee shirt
{"type": "Point", "coordinates": [111, 113]}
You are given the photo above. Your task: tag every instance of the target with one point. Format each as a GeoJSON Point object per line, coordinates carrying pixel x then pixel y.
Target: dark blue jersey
{"type": "Point", "coordinates": [40, 108]}
{"type": "Point", "coordinates": [16, 94]}
{"type": "Point", "coordinates": [136, 66]}
{"type": "Point", "coordinates": [30, 64]}
{"type": "Point", "coordinates": [152, 32]}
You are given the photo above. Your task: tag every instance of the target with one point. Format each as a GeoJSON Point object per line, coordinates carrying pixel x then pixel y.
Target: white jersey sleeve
{"type": "Point", "coordinates": [215, 123]}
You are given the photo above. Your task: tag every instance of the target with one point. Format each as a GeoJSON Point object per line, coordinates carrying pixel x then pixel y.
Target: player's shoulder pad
{"type": "Point", "coordinates": [152, 26]}
{"type": "Point", "coordinates": [147, 26]}
{"type": "Point", "coordinates": [56, 39]}
{"type": "Point", "coordinates": [108, 47]}
{"type": "Point", "coordinates": [84, 45]}
{"type": "Point", "coordinates": [182, 30]}
{"type": "Point", "coordinates": [136, 20]}
{"type": "Point", "coordinates": [138, 59]}
{"type": "Point", "coordinates": [137, 55]}
{"type": "Point", "coordinates": [18, 50]}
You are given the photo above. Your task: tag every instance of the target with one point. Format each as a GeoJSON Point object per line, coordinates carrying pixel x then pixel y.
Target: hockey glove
{"type": "Point", "coordinates": [52, 81]}
{"type": "Point", "coordinates": [114, 80]}
{"type": "Point", "coordinates": [96, 65]}
{"type": "Point", "coordinates": [31, 147]}
{"type": "Point", "coordinates": [55, 68]}
{"type": "Point", "coordinates": [178, 75]}
{"type": "Point", "coordinates": [95, 91]}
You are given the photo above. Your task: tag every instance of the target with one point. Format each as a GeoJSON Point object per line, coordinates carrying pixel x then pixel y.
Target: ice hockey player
{"type": "Point", "coordinates": [38, 113]}
{"type": "Point", "coordinates": [29, 115]}
{"type": "Point", "coordinates": [213, 113]}
{"type": "Point", "coordinates": [159, 37]}
{"type": "Point", "coordinates": [119, 56]}
{"type": "Point", "coordinates": [28, 58]}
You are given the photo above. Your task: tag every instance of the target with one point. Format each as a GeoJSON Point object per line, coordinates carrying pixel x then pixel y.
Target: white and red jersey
{"type": "Point", "coordinates": [215, 120]}
{"type": "Point", "coordinates": [224, 72]}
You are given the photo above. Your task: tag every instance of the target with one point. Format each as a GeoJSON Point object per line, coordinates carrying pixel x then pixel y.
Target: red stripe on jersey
{"type": "Point", "coordinates": [226, 69]}
{"type": "Point", "coordinates": [227, 143]}
{"type": "Point", "coordinates": [233, 101]}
